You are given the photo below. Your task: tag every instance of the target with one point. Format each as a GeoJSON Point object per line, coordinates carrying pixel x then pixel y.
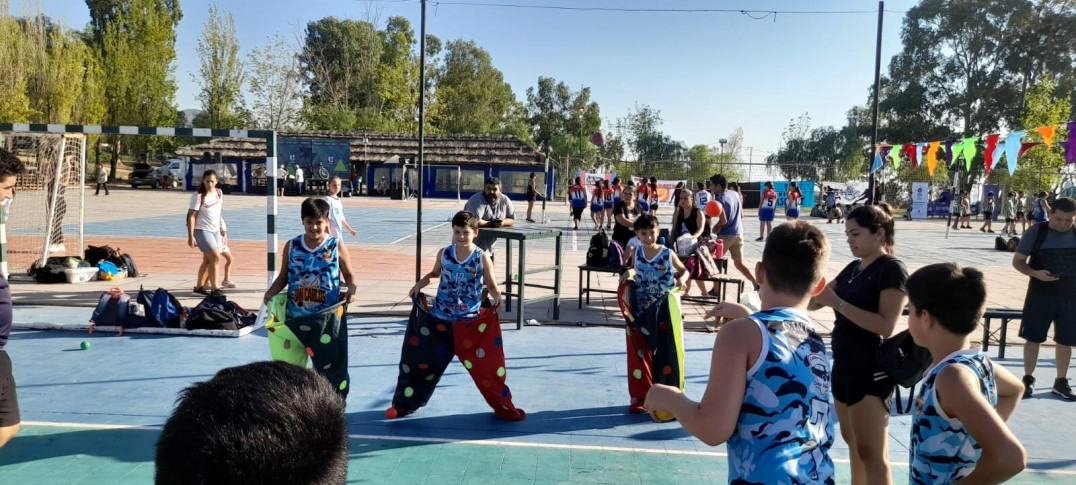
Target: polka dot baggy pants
{"type": "Point", "coordinates": [430, 344]}
{"type": "Point", "coordinates": [322, 336]}
{"type": "Point", "coordinates": [655, 345]}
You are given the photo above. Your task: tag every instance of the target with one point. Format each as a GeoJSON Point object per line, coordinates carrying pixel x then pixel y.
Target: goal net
{"type": "Point", "coordinates": [46, 216]}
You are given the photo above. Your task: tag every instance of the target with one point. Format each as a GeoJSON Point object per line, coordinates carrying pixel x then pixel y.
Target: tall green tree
{"type": "Point", "coordinates": [397, 77]}
{"type": "Point", "coordinates": [14, 46]}
{"type": "Point", "coordinates": [221, 74]}
{"type": "Point", "coordinates": [135, 41]}
{"type": "Point", "coordinates": [562, 122]}
{"type": "Point", "coordinates": [276, 85]}
{"type": "Point", "coordinates": [818, 154]}
{"type": "Point", "coordinates": [340, 60]}
{"type": "Point", "coordinates": [471, 93]}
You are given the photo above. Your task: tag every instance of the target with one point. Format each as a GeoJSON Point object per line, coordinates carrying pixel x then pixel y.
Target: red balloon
{"type": "Point", "coordinates": [598, 138]}
{"type": "Point", "coordinates": [714, 209]}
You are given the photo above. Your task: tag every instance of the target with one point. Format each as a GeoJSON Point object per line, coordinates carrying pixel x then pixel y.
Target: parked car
{"type": "Point", "coordinates": [176, 170]}
{"type": "Point", "coordinates": [143, 174]}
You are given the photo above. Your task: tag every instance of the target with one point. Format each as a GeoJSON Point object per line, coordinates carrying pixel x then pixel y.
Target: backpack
{"type": "Point", "coordinates": [597, 253]}
{"type": "Point", "coordinates": [615, 258]}
{"type": "Point", "coordinates": [162, 309]}
{"type": "Point", "coordinates": [111, 309]}
{"type": "Point", "coordinates": [904, 361]}
{"type": "Point", "coordinates": [215, 312]}
{"type": "Point", "coordinates": [128, 262]}
{"type": "Point", "coordinates": [1000, 243]}
{"type": "Point", "coordinates": [96, 254]}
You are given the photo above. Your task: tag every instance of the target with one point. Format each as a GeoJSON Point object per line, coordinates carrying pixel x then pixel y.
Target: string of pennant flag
{"type": "Point", "coordinates": [1012, 147]}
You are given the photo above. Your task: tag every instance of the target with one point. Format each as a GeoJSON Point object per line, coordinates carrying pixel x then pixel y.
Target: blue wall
{"type": "Point", "coordinates": [429, 180]}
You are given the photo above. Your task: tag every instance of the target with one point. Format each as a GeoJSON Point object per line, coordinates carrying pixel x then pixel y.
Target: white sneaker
{"type": "Point", "coordinates": [57, 248]}
{"type": "Point", "coordinates": [227, 284]}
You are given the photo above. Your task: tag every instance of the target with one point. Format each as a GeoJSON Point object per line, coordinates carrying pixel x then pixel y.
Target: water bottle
{"type": "Point", "coordinates": [719, 249]}
{"type": "Point", "coordinates": [661, 241]}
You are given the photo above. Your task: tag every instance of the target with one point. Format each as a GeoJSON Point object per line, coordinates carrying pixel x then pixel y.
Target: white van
{"type": "Point", "coordinates": [177, 171]}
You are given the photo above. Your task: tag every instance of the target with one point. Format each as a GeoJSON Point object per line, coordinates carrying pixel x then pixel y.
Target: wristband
{"type": "Point", "coordinates": [839, 304]}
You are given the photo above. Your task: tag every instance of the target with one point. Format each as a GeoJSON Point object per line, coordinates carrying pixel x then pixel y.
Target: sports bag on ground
{"type": "Point", "coordinates": [96, 254]}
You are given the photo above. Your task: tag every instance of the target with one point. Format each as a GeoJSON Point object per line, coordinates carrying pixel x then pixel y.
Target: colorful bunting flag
{"type": "Point", "coordinates": [1047, 133]}
{"type": "Point", "coordinates": [920, 148]}
{"type": "Point", "coordinates": [949, 152]}
{"type": "Point", "coordinates": [969, 151]}
{"type": "Point", "coordinates": [1066, 151]}
{"type": "Point", "coordinates": [1012, 150]}
{"type": "Point", "coordinates": [1024, 147]}
{"type": "Point", "coordinates": [877, 160]}
{"type": "Point", "coordinates": [989, 157]}
{"type": "Point", "coordinates": [894, 157]}
{"type": "Point", "coordinates": [932, 156]}
{"type": "Point", "coordinates": [1070, 155]}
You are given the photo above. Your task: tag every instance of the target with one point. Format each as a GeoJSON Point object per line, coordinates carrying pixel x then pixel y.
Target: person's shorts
{"type": "Point", "coordinates": [643, 206]}
{"type": "Point", "coordinates": [608, 205]}
{"type": "Point", "coordinates": [1041, 308]}
{"type": "Point", "coordinates": [852, 381]}
{"type": "Point", "coordinates": [794, 213]}
{"type": "Point", "coordinates": [577, 212]}
{"type": "Point", "coordinates": [988, 215]}
{"type": "Point", "coordinates": [596, 207]}
{"type": "Point", "coordinates": [733, 245]}
{"type": "Point", "coordinates": [765, 214]}
{"type": "Point", "coordinates": [1009, 220]}
{"type": "Point", "coordinates": [956, 214]}
{"type": "Point", "coordinates": [1019, 215]}
{"type": "Point", "coordinates": [616, 200]}
{"type": "Point", "coordinates": [207, 241]}
{"type": "Point", "coordinates": [531, 196]}
{"type": "Point", "coordinates": [9, 400]}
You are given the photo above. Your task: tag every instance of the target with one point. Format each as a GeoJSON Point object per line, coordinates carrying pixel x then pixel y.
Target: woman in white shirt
{"type": "Point", "coordinates": [204, 230]}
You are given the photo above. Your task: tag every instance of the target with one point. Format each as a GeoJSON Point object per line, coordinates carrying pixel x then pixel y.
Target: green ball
{"type": "Point", "coordinates": [84, 345]}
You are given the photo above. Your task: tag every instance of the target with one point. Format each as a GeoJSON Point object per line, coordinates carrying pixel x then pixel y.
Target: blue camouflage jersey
{"type": "Point", "coordinates": [942, 450]}
{"type": "Point", "coordinates": [653, 277]}
{"type": "Point", "coordinates": [313, 276]}
{"type": "Point", "coordinates": [459, 292]}
{"type": "Point", "coordinates": [785, 428]}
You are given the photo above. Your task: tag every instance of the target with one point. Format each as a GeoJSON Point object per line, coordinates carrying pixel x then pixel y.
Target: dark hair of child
{"type": "Point", "coordinates": [314, 208]}
{"type": "Point", "coordinates": [465, 219]}
{"type": "Point", "coordinates": [794, 257]}
{"type": "Point", "coordinates": [954, 295]}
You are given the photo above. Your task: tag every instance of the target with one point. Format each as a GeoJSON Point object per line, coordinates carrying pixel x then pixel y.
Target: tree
{"type": "Point", "coordinates": [275, 85]}
{"type": "Point", "coordinates": [1040, 167]}
{"type": "Point", "coordinates": [339, 61]}
{"type": "Point", "coordinates": [14, 102]}
{"type": "Point", "coordinates": [471, 93]}
{"type": "Point", "coordinates": [819, 154]}
{"type": "Point", "coordinates": [397, 77]}
{"type": "Point", "coordinates": [562, 123]}
{"type": "Point", "coordinates": [221, 72]}
{"type": "Point", "coordinates": [135, 41]}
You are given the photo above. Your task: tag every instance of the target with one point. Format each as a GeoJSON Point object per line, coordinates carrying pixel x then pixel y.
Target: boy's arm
{"type": "Point", "coordinates": [281, 280]}
{"type": "Point", "coordinates": [490, 279]}
{"type": "Point", "coordinates": [1010, 390]}
{"type": "Point", "coordinates": [434, 273]}
{"type": "Point", "coordinates": [714, 419]}
{"type": "Point", "coordinates": [346, 273]}
{"type": "Point", "coordinates": [679, 270]}
{"type": "Point", "coordinates": [1003, 456]}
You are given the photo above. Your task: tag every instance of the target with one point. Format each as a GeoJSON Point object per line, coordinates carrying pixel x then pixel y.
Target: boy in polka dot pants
{"type": "Point", "coordinates": [454, 324]}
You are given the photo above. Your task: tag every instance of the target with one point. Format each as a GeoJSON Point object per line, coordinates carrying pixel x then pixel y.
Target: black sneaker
{"type": "Point", "coordinates": [1061, 388]}
{"type": "Point", "coordinates": [1029, 385]}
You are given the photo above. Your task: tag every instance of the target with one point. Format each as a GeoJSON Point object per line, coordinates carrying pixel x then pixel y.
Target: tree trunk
{"type": "Point", "coordinates": [115, 160]}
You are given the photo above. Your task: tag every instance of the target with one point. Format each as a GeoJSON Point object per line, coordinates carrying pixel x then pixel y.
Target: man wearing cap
{"type": "Point", "coordinates": [494, 209]}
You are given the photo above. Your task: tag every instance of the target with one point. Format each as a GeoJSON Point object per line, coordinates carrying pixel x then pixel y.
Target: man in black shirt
{"type": "Point", "coordinates": [1050, 261]}
{"type": "Point", "coordinates": [10, 168]}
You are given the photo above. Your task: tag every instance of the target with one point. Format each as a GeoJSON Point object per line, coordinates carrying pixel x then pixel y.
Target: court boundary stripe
{"type": "Point", "coordinates": [516, 444]}
{"type": "Point", "coordinates": [424, 231]}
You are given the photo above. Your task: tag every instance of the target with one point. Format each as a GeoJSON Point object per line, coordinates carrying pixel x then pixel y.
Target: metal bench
{"type": "Point", "coordinates": [586, 290]}
{"type": "Point", "coordinates": [1004, 314]}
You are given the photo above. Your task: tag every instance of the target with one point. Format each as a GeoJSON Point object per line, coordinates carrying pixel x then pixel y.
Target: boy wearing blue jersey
{"type": "Point", "coordinates": [958, 428]}
{"type": "Point", "coordinates": [768, 396]}
{"type": "Point", "coordinates": [455, 324]}
{"type": "Point", "coordinates": [314, 268]}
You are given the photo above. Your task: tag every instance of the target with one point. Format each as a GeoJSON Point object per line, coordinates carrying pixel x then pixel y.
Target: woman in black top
{"type": "Point", "coordinates": [689, 219]}
{"type": "Point", "coordinates": [532, 193]}
{"type": "Point", "coordinates": [868, 297]}
{"type": "Point", "coordinates": [624, 213]}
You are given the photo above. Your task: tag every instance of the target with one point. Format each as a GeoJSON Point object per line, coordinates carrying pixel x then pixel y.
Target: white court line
{"type": "Point", "coordinates": [424, 231]}
{"type": "Point", "coordinates": [517, 444]}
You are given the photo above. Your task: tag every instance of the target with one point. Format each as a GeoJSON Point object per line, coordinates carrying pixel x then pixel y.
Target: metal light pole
{"type": "Point", "coordinates": [874, 105]}
{"type": "Point", "coordinates": [421, 140]}
{"type": "Point", "coordinates": [721, 155]}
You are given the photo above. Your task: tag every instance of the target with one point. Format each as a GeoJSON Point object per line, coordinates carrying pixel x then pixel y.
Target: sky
{"type": "Point", "coordinates": [708, 73]}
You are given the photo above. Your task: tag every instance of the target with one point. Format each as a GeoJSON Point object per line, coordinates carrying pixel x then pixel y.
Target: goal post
{"type": "Point", "coordinates": [47, 217]}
